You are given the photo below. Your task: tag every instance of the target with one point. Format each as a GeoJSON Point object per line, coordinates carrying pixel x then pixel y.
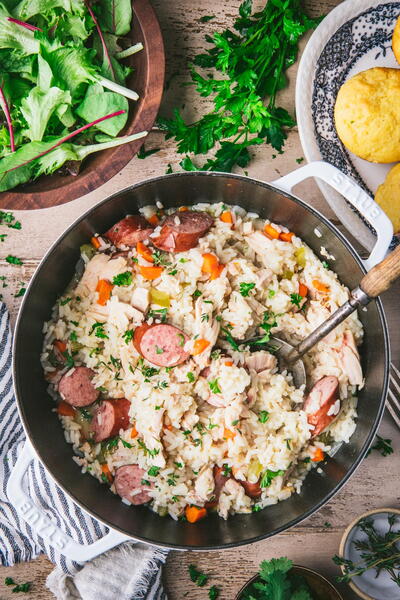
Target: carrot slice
{"type": "Point", "coordinates": [303, 290]}
{"type": "Point", "coordinates": [95, 242]}
{"type": "Point", "coordinates": [318, 455]}
{"type": "Point", "coordinates": [286, 236]}
{"type": "Point", "coordinates": [60, 345]}
{"type": "Point", "coordinates": [211, 265]}
{"type": "Point", "coordinates": [150, 272]}
{"type": "Point", "coordinates": [104, 289]}
{"type": "Point", "coordinates": [199, 346]}
{"type": "Point", "coordinates": [271, 232]}
{"type": "Point", "coordinates": [169, 427]}
{"type": "Point", "coordinates": [229, 363]}
{"type": "Point", "coordinates": [134, 432]}
{"type": "Point", "coordinates": [228, 434]}
{"type": "Point", "coordinates": [65, 409]}
{"type": "Point", "coordinates": [194, 514]}
{"type": "Point", "coordinates": [321, 287]}
{"type": "Point", "coordinates": [106, 471]}
{"type": "Point", "coordinates": [154, 220]}
{"type": "Point", "coordinates": [182, 208]}
{"type": "Point", "coordinates": [226, 217]}
{"type": "Point", "coordinates": [144, 251]}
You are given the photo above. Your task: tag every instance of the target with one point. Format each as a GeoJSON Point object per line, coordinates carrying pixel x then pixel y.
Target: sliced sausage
{"type": "Point", "coordinates": [129, 231]}
{"type": "Point", "coordinates": [219, 481]}
{"type": "Point", "coordinates": [76, 387]}
{"type": "Point", "coordinates": [320, 404]}
{"type": "Point", "coordinates": [182, 231]}
{"type": "Point", "coordinates": [128, 484]}
{"type": "Point", "coordinates": [161, 344]}
{"type": "Point", "coordinates": [253, 490]}
{"type": "Point", "coordinates": [109, 417]}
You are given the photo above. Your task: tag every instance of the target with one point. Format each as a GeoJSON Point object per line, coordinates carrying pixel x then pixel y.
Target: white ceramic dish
{"type": "Point", "coordinates": [368, 586]}
{"type": "Point", "coordinates": [354, 37]}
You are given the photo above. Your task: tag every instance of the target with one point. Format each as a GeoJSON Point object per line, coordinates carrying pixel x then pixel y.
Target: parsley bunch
{"type": "Point", "coordinates": [276, 582]}
{"type": "Point", "coordinates": [246, 70]}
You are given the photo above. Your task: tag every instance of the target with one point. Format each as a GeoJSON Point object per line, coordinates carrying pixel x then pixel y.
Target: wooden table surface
{"type": "Point", "coordinates": [375, 484]}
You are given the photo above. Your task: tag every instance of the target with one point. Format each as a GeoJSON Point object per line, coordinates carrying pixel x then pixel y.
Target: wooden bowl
{"type": "Point", "coordinates": [321, 587]}
{"type": "Point", "coordinates": [147, 80]}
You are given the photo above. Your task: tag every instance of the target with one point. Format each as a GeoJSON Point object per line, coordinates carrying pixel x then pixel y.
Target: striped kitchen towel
{"type": "Point", "coordinates": [129, 572]}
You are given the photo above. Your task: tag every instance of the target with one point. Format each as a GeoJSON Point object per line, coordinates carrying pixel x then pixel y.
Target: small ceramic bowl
{"type": "Point", "coordinates": [323, 589]}
{"type": "Point", "coordinates": [368, 586]}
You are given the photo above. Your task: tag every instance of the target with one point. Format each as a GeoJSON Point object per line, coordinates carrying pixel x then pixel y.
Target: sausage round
{"type": "Point", "coordinates": [76, 387]}
{"type": "Point", "coordinates": [219, 481]}
{"type": "Point", "coordinates": [109, 418]}
{"type": "Point", "coordinates": [129, 231]}
{"type": "Point", "coordinates": [253, 490]}
{"type": "Point", "coordinates": [182, 231]}
{"type": "Point", "coordinates": [161, 344]}
{"type": "Point", "coordinates": [320, 401]}
{"type": "Point", "coordinates": [128, 484]}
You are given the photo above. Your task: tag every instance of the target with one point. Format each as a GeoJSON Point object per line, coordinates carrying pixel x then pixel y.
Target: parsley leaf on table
{"type": "Point", "coordinates": [382, 445]}
{"type": "Point", "coordinates": [242, 71]}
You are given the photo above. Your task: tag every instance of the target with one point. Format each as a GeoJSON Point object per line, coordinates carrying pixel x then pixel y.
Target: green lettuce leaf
{"type": "Point", "coordinates": [95, 105]}
{"type": "Point", "coordinates": [38, 107]}
{"type": "Point", "coordinates": [27, 9]}
{"type": "Point", "coordinates": [115, 16]}
{"type": "Point", "coordinates": [72, 68]}
{"type": "Point", "coordinates": [19, 38]}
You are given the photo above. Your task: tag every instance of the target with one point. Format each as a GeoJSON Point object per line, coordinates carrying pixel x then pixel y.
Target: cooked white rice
{"type": "Point", "coordinates": [263, 430]}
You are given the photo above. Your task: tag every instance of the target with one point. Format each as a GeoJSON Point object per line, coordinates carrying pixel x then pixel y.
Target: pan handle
{"type": "Point", "coordinates": [45, 527]}
{"type": "Point", "coordinates": [346, 186]}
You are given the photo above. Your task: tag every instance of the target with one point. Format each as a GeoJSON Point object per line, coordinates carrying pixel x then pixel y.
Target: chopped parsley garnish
{"type": "Point", "coordinates": [327, 525]}
{"type": "Point", "coordinates": [116, 363]}
{"type": "Point", "coordinates": [153, 471]}
{"type": "Point", "coordinates": [271, 293]}
{"type": "Point", "coordinates": [65, 301]}
{"type": "Point", "coordinates": [19, 587]}
{"type": "Point", "coordinates": [6, 217]}
{"type": "Point", "coordinates": [85, 413]}
{"type": "Point", "coordinates": [13, 260]}
{"type": "Point", "coordinates": [230, 339]}
{"type": "Point", "coordinates": [205, 317]}
{"type": "Point", "coordinates": [213, 593]}
{"type": "Point", "coordinates": [226, 471]}
{"type": "Point", "coordinates": [69, 360]}
{"type": "Point", "coordinates": [160, 259]}
{"type": "Point", "coordinates": [235, 422]}
{"type": "Point", "coordinates": [73, 336]}
{"type": "Point", "coordinates": [145, 153]}
{"type": "Point", "coordinates": [214, 387]}
{"type": "Point", "coordinates": [269, 476]}
{"type": "Point", "coordinates": [161, 385]}
{"type": "Point", "coordinates": [179, 465]}
{"type": "Point", "coordinates": [172, 479]}
{"type": "Point", "coordinates": [384, 446]}
{"type": "Point", "coordinates": [181, 339]}
{"type": "Point", "coordinates": [325, 264]}
{"type": "Point", "coordinates": [206, 18]}
{"type": "Point", "coordinates": [128, 336]}
{"type": "Point", "coordinates": [197, 442]}
{"type": "Point", "coordinates": [245, 288]}
{"type": "Point", "coordinates": [173, 272]}
{"type": "Point", "coordinates": [159, 350]}
{"type": "Point", "coordinates": [190, 377]}
{"type": "Point", "coordinates": [183, 260]}
{"type": "Point", "coordinates": [263, 416]}
{"type": "Point", "coordinates": [20, 292]}
{"type": "Point", "coordinates": [197, 294]}
{"type": "Point", "coordinates": [159, 313]}
{"type": "Point", "coordinates": [123, 279]}
{"type": "Point", "coordinates": [125, 443]}
{"type": "Point", "coordinates": [147, 450]}
{"type": "Point", "coordinates": [212, 425]}
{"type": "Point", "coordinates": [299, 160]}
{"type": "Point", "coordinates": [218, 318]}
{"type": "Point", "coordinates": [111, 444]}
{"type": "Point", "coordinates": [296, 299]}
{"type": "Point", "coordinates": [288, 445]}
{"type": "Point", "coordinates": [145, 482]}
{"type": "Point", "coordinates": [197, 577]}
{"type": "Point", "coordinates": [256, 508]}
{"type": "Point", "coordinates": [98, 330]}
{"type": "Point", "coordinates": [269, 321]}
{"type": "Point", "coordinates": [149, 371]}
{"type": "Point", "coordinates": [3, 237]}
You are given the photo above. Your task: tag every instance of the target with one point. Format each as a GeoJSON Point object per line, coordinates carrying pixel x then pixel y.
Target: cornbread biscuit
{"type": "Point", "coordinates": [367, 114]}
{"type": "Point", "coordinates": [396, 40]}
{"type": "Point", "coordinates": [388, 197]}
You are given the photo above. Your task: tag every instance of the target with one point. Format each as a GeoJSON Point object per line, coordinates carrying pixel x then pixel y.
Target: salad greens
{"type": "Point", "coordinates": [241, 72]}
{"type": "Point", "coordinates": [275, 582]}
{"type": "Point", "coordinates": [61, 77]}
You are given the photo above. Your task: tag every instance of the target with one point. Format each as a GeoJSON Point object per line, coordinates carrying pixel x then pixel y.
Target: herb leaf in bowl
{"type": "Point", "coordinates": [275, 582]}
{"type": "Point", "coordinates": [61, 77]}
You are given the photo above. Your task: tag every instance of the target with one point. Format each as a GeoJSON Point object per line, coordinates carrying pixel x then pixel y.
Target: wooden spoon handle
{"type": "Point", "coordinates": [380, 278]}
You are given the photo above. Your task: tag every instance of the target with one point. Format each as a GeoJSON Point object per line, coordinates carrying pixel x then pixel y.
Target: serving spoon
{"type": "Point", "coordinates": [375, 282]}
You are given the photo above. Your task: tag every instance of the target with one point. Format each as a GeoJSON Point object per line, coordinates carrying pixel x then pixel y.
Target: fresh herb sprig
{"type": "Point", "coordinates": [275, 581]}
{"type": "Point", "coordinates": [378, 551]}
{"type": "Point", "coordinates": [383, 446]}
{"type": "Point", "coordinates": [246, 69]}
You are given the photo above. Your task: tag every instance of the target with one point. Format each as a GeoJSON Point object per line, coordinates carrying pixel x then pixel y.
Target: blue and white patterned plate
{"type": "Point", "coordinates": [354, 37]}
